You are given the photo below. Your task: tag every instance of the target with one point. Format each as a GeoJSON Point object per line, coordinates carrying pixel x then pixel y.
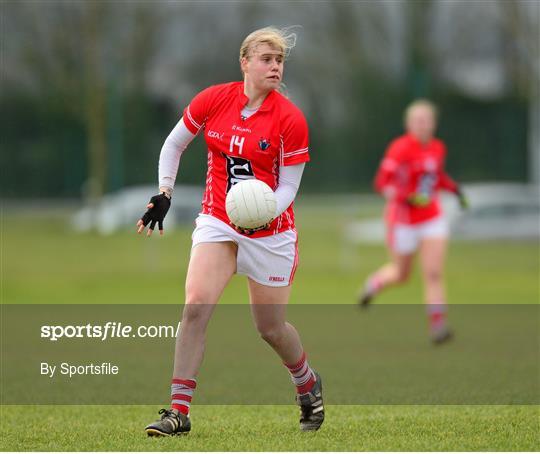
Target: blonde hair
{"type": "Point", "coordinates": [282, 39]}
{"type": "Point", "coordinates": [422, 102]}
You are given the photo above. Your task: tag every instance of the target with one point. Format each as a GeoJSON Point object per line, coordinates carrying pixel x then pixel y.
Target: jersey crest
{"type": "Point", "coordinates": [264, 144]}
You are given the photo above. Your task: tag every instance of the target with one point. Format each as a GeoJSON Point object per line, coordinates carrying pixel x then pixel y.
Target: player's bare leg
{"type": "Point", "coordinates": [432, 257]}
{"type": "Point", "coordinates": [217, 260]}
{"type": "Point", "coordinates": [211, 267]}
{"type": "Point", "coordinates": [268, 307]}
{"type": "Point", "coordinates": [396, 272]}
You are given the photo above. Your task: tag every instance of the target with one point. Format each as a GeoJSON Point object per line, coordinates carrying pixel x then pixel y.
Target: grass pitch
{"type": "Point", "coordinates": [46, 262]}
{"type": "Point", "coordinates": [275, 428]}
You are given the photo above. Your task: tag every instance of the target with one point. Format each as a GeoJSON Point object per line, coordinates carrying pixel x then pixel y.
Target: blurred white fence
{"type": "Point", "coordinates": [124, 208]}
{"type": "Point", "coordinates": [509, 211]}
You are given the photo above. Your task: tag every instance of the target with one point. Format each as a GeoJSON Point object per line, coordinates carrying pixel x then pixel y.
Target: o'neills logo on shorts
{"type": "Point", "coordinates": [276, 279]}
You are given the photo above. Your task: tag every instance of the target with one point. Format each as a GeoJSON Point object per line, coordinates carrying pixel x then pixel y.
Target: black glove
{"type": "Point", "coordinates": [463, 201]}
{"type": "Point", "coordinates": [155, 214]}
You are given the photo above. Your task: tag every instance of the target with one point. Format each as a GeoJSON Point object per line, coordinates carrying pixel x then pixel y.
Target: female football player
{"type": "Point", "coordinates": [410, 177]}
{"type": "Point", "coordinates": [252, 131]}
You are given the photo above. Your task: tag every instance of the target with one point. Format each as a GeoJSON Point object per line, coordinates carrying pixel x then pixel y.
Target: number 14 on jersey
{"type": "Point", "coordinates": [236, 141]}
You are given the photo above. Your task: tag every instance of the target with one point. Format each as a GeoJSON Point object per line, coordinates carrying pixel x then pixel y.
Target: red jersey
{"type": "Point", "coordinates": [411, 167]}
{"type": "Point", "coordinates": [239, 149]}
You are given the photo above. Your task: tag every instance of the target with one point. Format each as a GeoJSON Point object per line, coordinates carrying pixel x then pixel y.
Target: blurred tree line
{"type": "Point", "coordinates": [90, 90]}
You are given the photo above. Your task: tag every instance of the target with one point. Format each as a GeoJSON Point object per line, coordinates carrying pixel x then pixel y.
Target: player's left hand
{"type": "Point", "coordinates": [251, 231]}
{"type": "Point", "coordinates": [463, 201]}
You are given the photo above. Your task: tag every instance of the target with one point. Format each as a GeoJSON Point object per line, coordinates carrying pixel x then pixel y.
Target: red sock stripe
{"type": "Point", "coordinates": [181, 408]}
{"type": "Point", "coordinates": [184, 397]}
{"type": "Point", "coordinates": [375, 283]}
{"type": "Point", "coordinates": [306, 387]}
{"type": "Point", "coordinates": [189, 383]}
{"type": "Point", "coordinates": [296, 367]}
{"type": "Point", "coordinates": [437, 318]}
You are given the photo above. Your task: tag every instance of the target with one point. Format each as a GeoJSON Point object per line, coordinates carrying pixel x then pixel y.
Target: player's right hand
{"type": "Point", "coordinates": [156, 211]}
{"type": "Point", "coordinates": [418, 200]}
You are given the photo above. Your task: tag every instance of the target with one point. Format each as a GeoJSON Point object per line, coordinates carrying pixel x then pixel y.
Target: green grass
{"type": "Point", "coordinates": [44, 262]}
{"type": "Point", "coordinates": [274, 428]}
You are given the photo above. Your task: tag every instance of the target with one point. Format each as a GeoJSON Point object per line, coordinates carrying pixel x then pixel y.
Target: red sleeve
{"type": "Point", "coordinates": [294, 139]}
{"type": "Point", "coordinates": [196, 113]}
{"type": "Point", "coordinates": [384, 179]}
{"type": "Point", "coordinates": [444, 180]}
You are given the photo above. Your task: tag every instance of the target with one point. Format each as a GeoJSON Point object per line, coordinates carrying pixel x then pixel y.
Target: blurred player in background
{"type": "Point", "coordinates": [410, 177]}
{"type": "Point", "coordinates": [252, 131]}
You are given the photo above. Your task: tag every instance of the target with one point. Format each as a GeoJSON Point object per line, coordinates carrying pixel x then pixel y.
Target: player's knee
{"type": "Point", "coordinates": [195, 313]}
{"type": "Point", "coordinates": [271, 334]}
{"type": "Point", "coordinates": [196, 296]}
{"type": "Point", "coordinates": [403, 275]}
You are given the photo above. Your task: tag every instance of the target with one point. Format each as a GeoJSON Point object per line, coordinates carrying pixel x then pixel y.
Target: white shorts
{"type": "Point", "coordinates": [269, 260]}
{"type": "Point", "coordinates": [405, 238]}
